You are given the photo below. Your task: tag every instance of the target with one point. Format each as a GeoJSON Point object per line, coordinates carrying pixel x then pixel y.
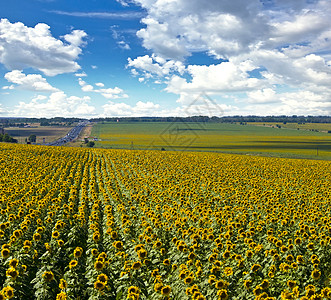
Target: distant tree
{"type": "Point", "coordinates": [90, 144]}
{"type": "Point", "coordinates": [7, 138]}
{"type": "Point", "coordinates": [32, 138]}
{"type": "Point", "coordinates": [85, 140]}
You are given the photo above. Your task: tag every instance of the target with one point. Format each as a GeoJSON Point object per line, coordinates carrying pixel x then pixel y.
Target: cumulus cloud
{"type": "Point", "coordinates": [108, 93]}
{"type": "Point", "coordinates": [220, 78]}
{"type": "Point", "coordinates": [140, 109]}
{"type": "Point", "coordinates": [57, 104]}
{"type": "Point", "coordinates": [266, 47]}
{"type": "Point", "coordinates": [31, 82]}
{"type": "Point", "coordinates": [154, 65]}
{"type": "Point", "coordinates": [175, 29]}
{"type": "Point", "coordinates": [23, 47]}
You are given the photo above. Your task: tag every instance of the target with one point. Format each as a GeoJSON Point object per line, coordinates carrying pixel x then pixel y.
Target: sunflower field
{"type": "Point", "coordinates": [119, 224]}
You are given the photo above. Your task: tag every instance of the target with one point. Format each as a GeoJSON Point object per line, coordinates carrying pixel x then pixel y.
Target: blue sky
{"type": "Point", "coordinates": [165, 57]}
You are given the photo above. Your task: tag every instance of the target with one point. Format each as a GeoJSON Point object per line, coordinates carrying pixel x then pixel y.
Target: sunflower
{"type": "Point", "coordinates": [188, 280]}
{"type": "Point", "coordinates": [136, 265]}
{"type": "Point", "coordinates": [310, 246]}
{"type": "Point", "coordinates": [78, 252]}
{"type": "Point", "coordinates": [223, 294]}
{"type": "Point", "coordinates": [228, 271]}
{"type": "Point", "coordinates": [60, 243]}
{"type": "Point", "coordinates": [166, 290]}
{"type": "Point", "coordinates": [157, 244]}
{"type": "Point", "coordinates": [8, 291]}
{"type": "Point", "coordinates": [12, 272]}
{"type": "Point", "coordinates": [297, 241]}
{"type": "Point", "coordinates": [291, 284]}
{"type": "Point", "coordinates": [98, 265]}
{"type": "Point", "coordinates": [55, 234]}
{"type": "Point", "coordinates": [48, 276]}
{"type": "Point", "coordinates": [96, 236]}
{"type": "Point", "coordinates": [258, 290]}
{"type": "Point", "coordinates": [133, 290]}
{"type": "Point", "coordinates": [249, 253]}
{"type": "Point", "coordinates": [63, 284]}
{"type": "Point", "coordinates": [13, 263]}
{"type": "Point", "coordinates": [226, 254]}
{"type": "Point", "coordinates": [316, 274]}
{"type": "Point", "coordinates": [94, 252]}
{"type": "Point", "coordinates": [73, 264]}
{"type": "Point", "coordinates": [158, 286]}
{"type": "Point", "coordinates": [37, 237]}
{"type": "Point", "coordinates": [118, 245]}
{"type": "Point", "coordinates": [300, 259]}
{"type": "Point", "coordinates": [255, 268]}
{"type": "Point", "coordinates": [5, 253]}
{"type": "Point", "coordinates": [99, 285]}
{"type": "Point", "coordinates": [166, 262]}
{"type": "Point", "coordinates": [221, 284]}
{"type": "Point", "coordinates": [142, 253]}
{"type": "Point", "coordinates": [290, 258]}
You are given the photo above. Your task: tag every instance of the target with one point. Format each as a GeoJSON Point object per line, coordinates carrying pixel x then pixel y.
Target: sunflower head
{"type": "Point", "coordinates": [48, 276]}
{"type": "Point", "coordinates": [166, 290]}
{"type": "Point", "coordinates": [98, 265]}
{"type": "Point", "coordinates": [316, 274]}
{"type": "Point", "coordinates": [99, 285]}
{"type": "Point", "coordinates": [136, 265]}
{"type": "Point", "coordinates": [73, 264]}
{"type": "Point", "coordinates": [5, 253]}
{"type": "Point", "coordinates": [13, 263]}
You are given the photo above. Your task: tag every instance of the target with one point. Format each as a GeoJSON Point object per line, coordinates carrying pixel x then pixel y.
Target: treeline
{"type": "Point", "coordinates": [6, 122]}
{"type": "Point", "coordinates": [226, 119]}
{"type": "Point", "coordinates": [21, 122]}
{"type": "Point", "coordinates": [7, 138]}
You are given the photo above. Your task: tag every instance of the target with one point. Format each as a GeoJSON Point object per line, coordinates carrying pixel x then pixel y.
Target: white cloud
{"type": "Point", "coordinates": [274, 51]}
{"type": "Point", "coordinates": [83, 74]}
{"type": "Point", "coordinates": [175, 29]}
{"type": "Point", "coordinates": [108, 93]}
{"type": "Point", "coordinates": [8, 87]}
{"type": "Point", "coordinates": [23, 47]}
{"type": "Point", "coordinates": [140, 109]}
{"type": "Point", "coordinates": [267, 95]}
{"type": "Point", "coordinates": [155, 66]}
{"type": "Point", "coordinates": [57, 104]}
{"type": "Point", "coordinates": [220, 78]}
{"type": "Point", "coordinates": [31, 82]}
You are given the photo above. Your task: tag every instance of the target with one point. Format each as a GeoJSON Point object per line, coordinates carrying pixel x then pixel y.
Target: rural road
{"type": "Point", "coordinates": [71, 135]}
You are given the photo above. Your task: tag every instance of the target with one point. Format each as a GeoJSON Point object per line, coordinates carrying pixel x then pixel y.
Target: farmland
{"type": "Point", "coordinates": [118, 224]}
{"type": "Point", "coordinates": [219, 137]}
{"type": "Point", "coordinates": [50, 133]}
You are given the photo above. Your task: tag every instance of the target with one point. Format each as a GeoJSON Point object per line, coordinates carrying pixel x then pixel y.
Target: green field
{"type": "Point", "coordinates": [323, 127]}
{"type": "Point", "coordinates": [219, 137]}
